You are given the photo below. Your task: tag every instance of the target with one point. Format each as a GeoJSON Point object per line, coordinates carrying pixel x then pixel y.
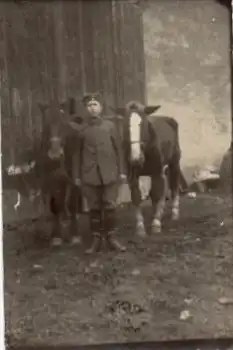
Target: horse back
{"type": "Point", "coordinates": [164, 129]}
{"type": "Point", "coordinates": [164, 138]}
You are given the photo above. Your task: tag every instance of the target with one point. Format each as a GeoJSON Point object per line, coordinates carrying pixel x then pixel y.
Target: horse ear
{"type": "Point", "coordinates": [120, 111]}
{"type": "Point", "coordinates": [151, 109]}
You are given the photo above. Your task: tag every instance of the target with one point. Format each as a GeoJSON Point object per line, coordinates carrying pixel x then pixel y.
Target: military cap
{"type": "Point", "coordinates": [92, 96]}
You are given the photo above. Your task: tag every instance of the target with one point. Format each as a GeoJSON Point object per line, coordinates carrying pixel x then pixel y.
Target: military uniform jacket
{"type": "Point", "coordinates": [98, 159]}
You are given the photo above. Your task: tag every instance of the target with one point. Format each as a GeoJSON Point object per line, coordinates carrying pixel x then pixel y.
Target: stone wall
{"type": "Point", "coordinates": [188, 73]}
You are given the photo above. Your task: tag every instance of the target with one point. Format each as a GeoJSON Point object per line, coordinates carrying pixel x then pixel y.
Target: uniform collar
{"type": "Point", "coordinates": [95, 121]}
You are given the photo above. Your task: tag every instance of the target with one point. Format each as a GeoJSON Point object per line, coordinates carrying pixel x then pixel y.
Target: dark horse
{"type": "Point", "coordinates": [151, 147]}
{"type": "Point", "coordinates": [53, 164]}
{"type": "Point", "coordinates": [44, 170]}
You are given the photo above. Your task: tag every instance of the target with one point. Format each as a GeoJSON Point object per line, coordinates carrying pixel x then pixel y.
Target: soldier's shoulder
{"type": "Point", "coordinates": [78, 125]}
{"type": "Point", "coordinates": [109, 121]}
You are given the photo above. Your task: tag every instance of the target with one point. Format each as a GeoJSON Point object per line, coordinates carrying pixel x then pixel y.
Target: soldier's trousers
{"type": "Point", "coordinates": [101, 201]}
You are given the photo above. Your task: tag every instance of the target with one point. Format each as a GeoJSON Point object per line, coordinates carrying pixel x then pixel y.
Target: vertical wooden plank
{"type": "Point", "coordinates": [130, 82]}
{"type": "Point", "coordinates": [116, 53]}
{"type": "Point", "coordinates": [16, 78]}
{"type": "Point", "coordinates": [137, 49]}
{"type": "Point", "coordinates": [132, 20]}
{"type": "Point", "coordinates": [81, 46]}
{"type": "Point", "coordinates": [107, 35]}
{"type": "Point", "coordinates": [139, 67]}
{"type": "Point", "coordinates": [97, 44]}
{"type": "Point", "coordinates": [88, 15]}
{"type": "Point", "coordinates": [50, 53]}
{"type": "Point", "coordinates": [44, 64]}
{"type": "Point", "coordinates": [141, 53]}
{"type": "Point", "coordinates": [123, 53]}
{"type": "Point", "coordinates": [131, 51]}
{"type": "Point", "coordinates": [8, 157]}
{"type": "Point", "coordinates": [5, 89]}
{"type": "Point", "coordinates": [60, 49]}
{"type": "Point", "coordinates": [76, 80]}
{"type": "Point", "coordinates": [36, 76]}
{"type": "Point", "coordinates": [81, 91]}
{"type": "Point", "coordinates": [42, 32]}
{"type": "Point", "coordinates": [102, 56]}
{"type": "Point", "coordinates": [27, 69]}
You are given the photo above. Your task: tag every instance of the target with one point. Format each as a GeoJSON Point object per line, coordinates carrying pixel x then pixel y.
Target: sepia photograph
{"type": "Point", "coordinates": [117, 148]}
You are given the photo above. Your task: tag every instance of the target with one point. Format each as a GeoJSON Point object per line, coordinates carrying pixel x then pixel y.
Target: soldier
{"type": "Point", "coordinates": [98, 167]}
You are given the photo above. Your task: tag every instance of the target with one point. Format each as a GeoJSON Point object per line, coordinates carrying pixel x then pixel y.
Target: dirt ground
{"type": "Point", "coordinates": [167, 287]}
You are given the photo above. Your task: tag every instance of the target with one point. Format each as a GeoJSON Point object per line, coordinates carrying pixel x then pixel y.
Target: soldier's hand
{"type": "Point", "coordinates": [77, 182]}
{"type": "Point", "coordinates": [123, 178]}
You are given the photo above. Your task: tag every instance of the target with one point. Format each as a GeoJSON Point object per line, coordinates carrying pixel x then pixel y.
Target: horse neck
{"type": "Point", "coordinates": [145, 131]}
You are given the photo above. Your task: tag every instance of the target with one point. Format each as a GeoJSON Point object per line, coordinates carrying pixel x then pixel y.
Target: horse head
{"type": "Point", "coordinates": [133, 117]}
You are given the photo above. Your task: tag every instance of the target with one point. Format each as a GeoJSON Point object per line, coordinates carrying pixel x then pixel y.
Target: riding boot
{"type": "Point", "coordinates": [56, 237]}
{"type": "Point", "coordinates": [95, 223]}
{"type": "Point", "coordinates": [74, 230]}
{"type": "Point", "coordinates": [110, 230]}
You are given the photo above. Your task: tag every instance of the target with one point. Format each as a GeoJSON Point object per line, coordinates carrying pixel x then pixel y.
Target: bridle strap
{"type": "Point", "coordinates": [133, 142]}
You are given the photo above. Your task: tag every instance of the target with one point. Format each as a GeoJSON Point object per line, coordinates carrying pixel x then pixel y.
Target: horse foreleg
{"type": "Point", "coordinates": [66, 201]}
{"type": "Point", "coordinates": [158, 197]}
{"type": "Point", "coordinates": [175, 206]}
{"type": "Point", "coordinates": [136, 200]}
{"type": "Point", "coordinates": [18, 203]}
{"type": "Point", "coordinates": [174, 180]}
{"type": "Point", "coordinates": [45, 205]}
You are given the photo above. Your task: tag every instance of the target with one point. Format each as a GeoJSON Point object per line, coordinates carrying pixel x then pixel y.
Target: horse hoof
{"type": "Point", "coordinates": [89, 251]}
{"type": "Point", "coordinates": [95, 247]}
{"type": "Point", "coordinates": [175, 214]}
{"type": "Point", "coordinates": [156, 227]}
{"type": "Point", "coordinates": [75, 241]}
{"type": "Point", "coordinates": [140, 232]}
{"type": "Point", "coordinates": [56, 242]}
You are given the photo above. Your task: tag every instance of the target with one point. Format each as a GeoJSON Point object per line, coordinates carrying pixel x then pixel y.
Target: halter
{"type": "Point", "coordinates": [132, 142]}
{"type": "Point", "coordinates": [141, 143]}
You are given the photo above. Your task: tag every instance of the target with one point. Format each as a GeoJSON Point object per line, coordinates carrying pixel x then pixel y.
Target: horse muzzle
{"type": "Point", "coordinates": [138, 161]}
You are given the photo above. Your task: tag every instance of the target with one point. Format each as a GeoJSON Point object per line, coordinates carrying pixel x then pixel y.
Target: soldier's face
{"type": "Point", "coordinates": [94, 108]}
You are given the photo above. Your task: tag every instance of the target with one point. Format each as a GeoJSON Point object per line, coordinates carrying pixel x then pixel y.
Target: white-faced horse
{"type": "Point", "coordinates": [151, 147]}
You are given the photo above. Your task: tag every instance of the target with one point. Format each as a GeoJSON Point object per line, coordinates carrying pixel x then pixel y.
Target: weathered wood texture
{"type": "Point", "coordinates": [52, 50]}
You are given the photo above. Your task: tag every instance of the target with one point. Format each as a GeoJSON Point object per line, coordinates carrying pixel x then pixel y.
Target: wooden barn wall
{"type": "Point", "coordinates": [54, 50]}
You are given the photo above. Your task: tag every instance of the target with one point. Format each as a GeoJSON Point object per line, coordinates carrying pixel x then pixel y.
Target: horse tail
{"type": "Point", "coordinates": [183, 183]}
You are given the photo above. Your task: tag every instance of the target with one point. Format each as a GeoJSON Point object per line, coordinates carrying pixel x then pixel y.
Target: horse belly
{"type": "Point", "coordinates": [151, 163]}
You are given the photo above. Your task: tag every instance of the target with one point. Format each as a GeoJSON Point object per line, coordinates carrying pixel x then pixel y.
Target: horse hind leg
{"type": "Point", "coordinates": [140, 226]}
{"type": "Point", "coordinates": [136, 200]}
{"type": "Point", "coordinates": [174, 181]}
{"type": "Point", "coordinates": [158, 197]}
